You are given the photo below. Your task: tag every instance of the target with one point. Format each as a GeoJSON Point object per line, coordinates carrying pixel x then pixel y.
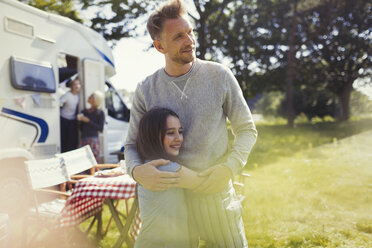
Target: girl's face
{"type": "Point", "coordinates": [173, 136]}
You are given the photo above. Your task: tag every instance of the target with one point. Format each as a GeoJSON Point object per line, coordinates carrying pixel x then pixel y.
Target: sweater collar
{"type": "Point", "coordinates": [194, 68]}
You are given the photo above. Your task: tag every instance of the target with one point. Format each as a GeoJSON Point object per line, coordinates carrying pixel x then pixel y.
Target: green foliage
{"type": "Point", "coordinates": [118, 19]}
{"type": "Point", "coordinates": [314, 103]}
{"type": "Point", "coordinates": [332, 45]}
{"type": "Point", "coordinates": [360, 104]}
{"type": "Point", "coordinates": [308, 104]}
{"type": "Point", "coordinates": [269, 104]}
{"type": "Point", "coordinates": [64, 8]}
{"type": "Point", "coordinates": [312, 106]}
{"type": "Point", "coordinates": [343, 52]}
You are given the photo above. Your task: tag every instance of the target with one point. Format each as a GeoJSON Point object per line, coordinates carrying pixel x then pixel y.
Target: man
{"type": "Point", "coordinates": [203, 94]}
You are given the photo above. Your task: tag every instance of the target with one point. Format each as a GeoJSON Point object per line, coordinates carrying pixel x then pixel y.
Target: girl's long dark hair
{"type": "Point", "coordinates": [151, 133]}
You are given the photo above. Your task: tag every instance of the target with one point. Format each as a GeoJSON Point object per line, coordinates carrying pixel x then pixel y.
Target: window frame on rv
{"type": "Point", "coordinates": [32, 75]}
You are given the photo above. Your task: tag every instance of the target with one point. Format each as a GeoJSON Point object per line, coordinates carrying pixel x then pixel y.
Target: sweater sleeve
{"type": "Point", "coordinates": [137, 111]}
{"type": "Point", "coordinates": [242, 125]}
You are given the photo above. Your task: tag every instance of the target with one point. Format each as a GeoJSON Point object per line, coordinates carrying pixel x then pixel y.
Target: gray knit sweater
{"type": "Point", "coordinates": [211, 95]}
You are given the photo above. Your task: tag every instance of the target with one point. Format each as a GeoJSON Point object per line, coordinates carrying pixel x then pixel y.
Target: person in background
{"type": "Point", "coordinates": [163, 213]}
{"type": "Point", "coordinates": [69, 104]}
{"type": "Point", "coordinates": [91, 123]}
{"type": "Point", "coordinates": [204, 94]}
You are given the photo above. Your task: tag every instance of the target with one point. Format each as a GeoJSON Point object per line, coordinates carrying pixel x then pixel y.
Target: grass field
{"type": "Point", "coordinates": [321, 197]}
{"type": "Point", "coordinates": [309, 187]}
{"type": "Point", "coordinates": [276, 141]}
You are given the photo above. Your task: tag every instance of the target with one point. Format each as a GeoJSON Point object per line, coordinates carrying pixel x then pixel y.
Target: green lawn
{"type": "Point", "coordinates": [309, 187]}
{"type": "Point", "coordinates": [276, 141]}
{"type": "Point", "coordinates": [310, 196]}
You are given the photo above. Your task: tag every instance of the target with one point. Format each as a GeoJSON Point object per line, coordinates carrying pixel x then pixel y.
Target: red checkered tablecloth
{"type": "Point", "coordinates": [87, 197]}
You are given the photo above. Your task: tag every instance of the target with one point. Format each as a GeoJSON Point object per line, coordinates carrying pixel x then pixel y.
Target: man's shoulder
{"type": "Point", "coordinates": [212, 66]}
{"type": "Point", "coordinates": [71, 97]}
{"type": "Point", "coordinates": [150, 79]}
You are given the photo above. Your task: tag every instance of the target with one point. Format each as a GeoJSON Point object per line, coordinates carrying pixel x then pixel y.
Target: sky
{"type": "Point", "coordinates": [133, 63]}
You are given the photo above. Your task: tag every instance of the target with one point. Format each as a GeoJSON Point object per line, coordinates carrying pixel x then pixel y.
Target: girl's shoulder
{"type": "Point", "coordinates": [171, 167]}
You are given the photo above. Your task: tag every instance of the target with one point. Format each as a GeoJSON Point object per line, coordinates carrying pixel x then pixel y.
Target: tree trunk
{"type": "Point", "coordinates": [344, 99]}
{"type": "Point", "coordinates": [201, 39]}
{"type": "Point", "coordinates": [290, 73]}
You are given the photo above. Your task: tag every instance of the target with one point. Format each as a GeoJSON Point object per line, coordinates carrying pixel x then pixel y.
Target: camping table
{"type": "Point", "coordinates": [87, 200]}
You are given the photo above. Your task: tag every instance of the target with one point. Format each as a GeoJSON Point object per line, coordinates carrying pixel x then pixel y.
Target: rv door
{"type": "Point", "coordinates": [94, 79]}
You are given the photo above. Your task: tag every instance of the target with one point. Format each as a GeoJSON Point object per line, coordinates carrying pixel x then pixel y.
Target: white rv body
{"type": "Point", "coordinates": [37, 45]}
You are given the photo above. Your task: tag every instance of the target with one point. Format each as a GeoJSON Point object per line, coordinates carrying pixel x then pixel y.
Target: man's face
{"type": "Point", "coordinates": [178, 41]}
{"type": "Point", "coordinates": [75, 86]}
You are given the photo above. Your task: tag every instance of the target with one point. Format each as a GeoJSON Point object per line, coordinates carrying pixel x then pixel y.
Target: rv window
{"type": "Point", "coordinates": [115, 106]}
{"type": "Point", "coordinates": [34, 76]}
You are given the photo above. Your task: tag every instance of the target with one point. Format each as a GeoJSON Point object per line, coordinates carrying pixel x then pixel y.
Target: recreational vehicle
{"type": "Point", "coordinates": [39, 52]}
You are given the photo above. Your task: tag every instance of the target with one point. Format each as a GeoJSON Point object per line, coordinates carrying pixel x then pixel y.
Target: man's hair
{"type": "Point", "coordinates": [171, 10]}
{"type": "Point", "coordinates": [151, 132]}
{"type": "Point", "coordinates": [70, 82]}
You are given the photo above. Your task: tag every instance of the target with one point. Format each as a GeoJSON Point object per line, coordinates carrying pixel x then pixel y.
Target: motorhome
{"type": "Point", "coordinates": [39, 52]}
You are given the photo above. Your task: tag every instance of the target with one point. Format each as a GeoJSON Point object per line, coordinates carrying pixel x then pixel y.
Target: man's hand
{"type": "Point", "coordinates": [153, 179]}
{"type": "Point", "coordinates": [217, 177]}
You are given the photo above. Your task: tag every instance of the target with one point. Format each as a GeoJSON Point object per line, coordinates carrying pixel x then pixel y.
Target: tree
{"type": "Point", "coordinates": [282, 38]}
{"type": "Point", "coordinates": [345, 52]}
{"type": "Point", "coordinates": [271, 34]}
{"type": "Point", "coordinates": [267, 39]}
{"type": "Point", "coordinates": [210, 16]}
{"type": "Point", "coordinates": [122, 19]}
{"type": "Point", "coordinates": [65, 8]}
{"type": "Point", "coordinates": [286, 45]}
{"type": "Point", "coordinates": [116, 19]}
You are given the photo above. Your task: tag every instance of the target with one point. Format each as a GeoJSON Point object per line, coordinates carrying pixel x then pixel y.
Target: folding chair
{"type": "Point", "coordinates": [42, 175]}
{"type": "Point", "coordinates": [80, 160]}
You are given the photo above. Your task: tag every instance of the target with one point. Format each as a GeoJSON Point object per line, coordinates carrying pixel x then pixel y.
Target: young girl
{"type": "Point", "coordinates": [163, 213]}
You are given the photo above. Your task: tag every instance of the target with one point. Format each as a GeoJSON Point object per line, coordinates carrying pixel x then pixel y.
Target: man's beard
{"type": "Point", "coordinates": [183, 60]}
